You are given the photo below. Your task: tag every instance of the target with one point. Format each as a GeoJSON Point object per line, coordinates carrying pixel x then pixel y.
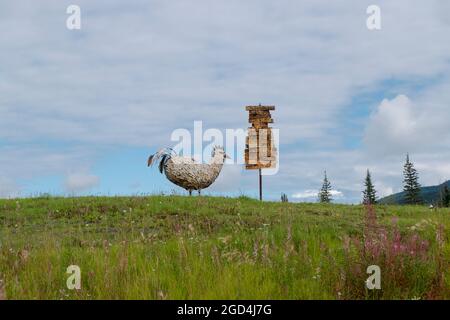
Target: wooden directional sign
{"type": "Point", "coordinates": [260, 152]}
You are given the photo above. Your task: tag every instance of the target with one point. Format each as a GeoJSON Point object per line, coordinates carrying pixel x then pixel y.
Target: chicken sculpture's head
{"type": "Point", "coordinates": [219, 152]}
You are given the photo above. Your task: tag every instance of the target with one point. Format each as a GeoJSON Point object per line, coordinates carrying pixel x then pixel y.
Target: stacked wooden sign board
{"type": "Point", "coordinates": [260, 151]}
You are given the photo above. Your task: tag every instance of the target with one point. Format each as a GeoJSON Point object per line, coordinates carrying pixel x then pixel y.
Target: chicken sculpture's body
{"type": "Point", "coordinates": [185, 172]}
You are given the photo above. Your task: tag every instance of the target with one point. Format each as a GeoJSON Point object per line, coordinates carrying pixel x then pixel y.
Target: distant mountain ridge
{"type": "Point", "coordinates": [430, 195]}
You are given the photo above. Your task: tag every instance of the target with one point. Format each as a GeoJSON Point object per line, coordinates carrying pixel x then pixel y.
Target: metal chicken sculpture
{"type": "Point", "coordinates": [185, 172]}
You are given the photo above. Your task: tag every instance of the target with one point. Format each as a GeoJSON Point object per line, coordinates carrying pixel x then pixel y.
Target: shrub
{"type": "Point", "coordinates": [410, 269]}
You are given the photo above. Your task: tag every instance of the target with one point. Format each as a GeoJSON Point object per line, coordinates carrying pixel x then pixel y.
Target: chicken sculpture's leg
{"type": "Point", "coordinates": [199, 190]}
{"type": "Point", "coordinates": [190, 192]}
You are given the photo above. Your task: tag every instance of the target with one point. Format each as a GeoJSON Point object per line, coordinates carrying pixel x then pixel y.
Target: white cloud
{"type": "Point", "coordinates": [336, 193]}
{"type": "Point", "coordinates": [198, 60]}
{"type": "Point", "coordinates": [305, 194]}
{"type": "Point", "coordinates": [229, 179]}
{"type": "Point", "coordinates": [308, 194]}
{"type": "Point", "coordinates": [416, 125]}
{"type": "Point", "coordinates": [393, 127]}
{"type": "Point", "coordinates": [8, 188]}
{"type": "Point", "coordinates": [163, 64]}
{"type": "Point", "coordinates": [77, 182]}
{"type": "Point", "coordinates": [383, 190]}
{"type": "Point", "coordinates": [21, 164]}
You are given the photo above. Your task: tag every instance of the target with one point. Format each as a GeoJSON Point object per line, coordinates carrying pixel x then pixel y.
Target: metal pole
{"type": "Point", "coordinates": [260, 185]}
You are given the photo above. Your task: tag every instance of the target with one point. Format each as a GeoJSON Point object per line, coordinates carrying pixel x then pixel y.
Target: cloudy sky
{"type": "Point", "coordinates": [81, 110]}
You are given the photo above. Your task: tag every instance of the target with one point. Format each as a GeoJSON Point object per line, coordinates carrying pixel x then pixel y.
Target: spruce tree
{"type": "Point", "coordinates": [369, 194]}
{"type": "Point", "coordinates": [445, 197]}
{"type": "Point", "coordinates": [325, 192]}
{"type": "Point", "coordinates": [411, 183]}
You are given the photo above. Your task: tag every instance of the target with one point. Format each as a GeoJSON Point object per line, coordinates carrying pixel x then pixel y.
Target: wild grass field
{"type": "Point", "coordinates": [173, 247]}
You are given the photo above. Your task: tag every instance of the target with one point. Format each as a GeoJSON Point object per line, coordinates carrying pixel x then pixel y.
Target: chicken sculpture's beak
{"type": "Point", "coordinates": [227, 156]}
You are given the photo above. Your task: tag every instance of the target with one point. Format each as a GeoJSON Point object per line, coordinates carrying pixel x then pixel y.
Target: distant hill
{"type": "Point", "coordinates": [430, 195]}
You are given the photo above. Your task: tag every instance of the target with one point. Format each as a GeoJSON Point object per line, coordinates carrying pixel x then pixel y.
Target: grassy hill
{"type": "Point", "coordinates": [219, 248]}
{"type": "Point", "coordinates": [430, 195]}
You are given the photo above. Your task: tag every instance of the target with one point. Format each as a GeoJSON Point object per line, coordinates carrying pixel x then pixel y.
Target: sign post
{"type": "Point", "coordinates": [260, 185]}
{"type": "Point", "coordinates": [260, 151]}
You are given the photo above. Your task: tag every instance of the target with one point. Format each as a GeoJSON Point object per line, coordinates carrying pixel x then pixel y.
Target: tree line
{"type": "Point", "coordinates": [411, 188]}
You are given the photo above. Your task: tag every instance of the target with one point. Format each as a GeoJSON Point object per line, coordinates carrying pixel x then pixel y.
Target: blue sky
{"type": "Point", "coordinates": [81, 110]}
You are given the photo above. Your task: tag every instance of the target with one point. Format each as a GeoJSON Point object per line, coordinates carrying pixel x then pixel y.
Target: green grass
{"type": "Point", "coordinates": [172, 247]}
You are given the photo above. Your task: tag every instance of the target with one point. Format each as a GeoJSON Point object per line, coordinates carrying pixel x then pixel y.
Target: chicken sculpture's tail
{"type": "Point", "coordinates": [162, 156]}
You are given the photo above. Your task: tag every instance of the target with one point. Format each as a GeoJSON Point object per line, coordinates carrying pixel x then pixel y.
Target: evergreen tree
{"type": "Point", "coordinates": [445, 197]}
{"type": "Point", "coordinates": [325, 192]}
{"type": "Point", "coordinates": [369, 194]}
{"type": "Point", "coordinates": [411, 183]}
